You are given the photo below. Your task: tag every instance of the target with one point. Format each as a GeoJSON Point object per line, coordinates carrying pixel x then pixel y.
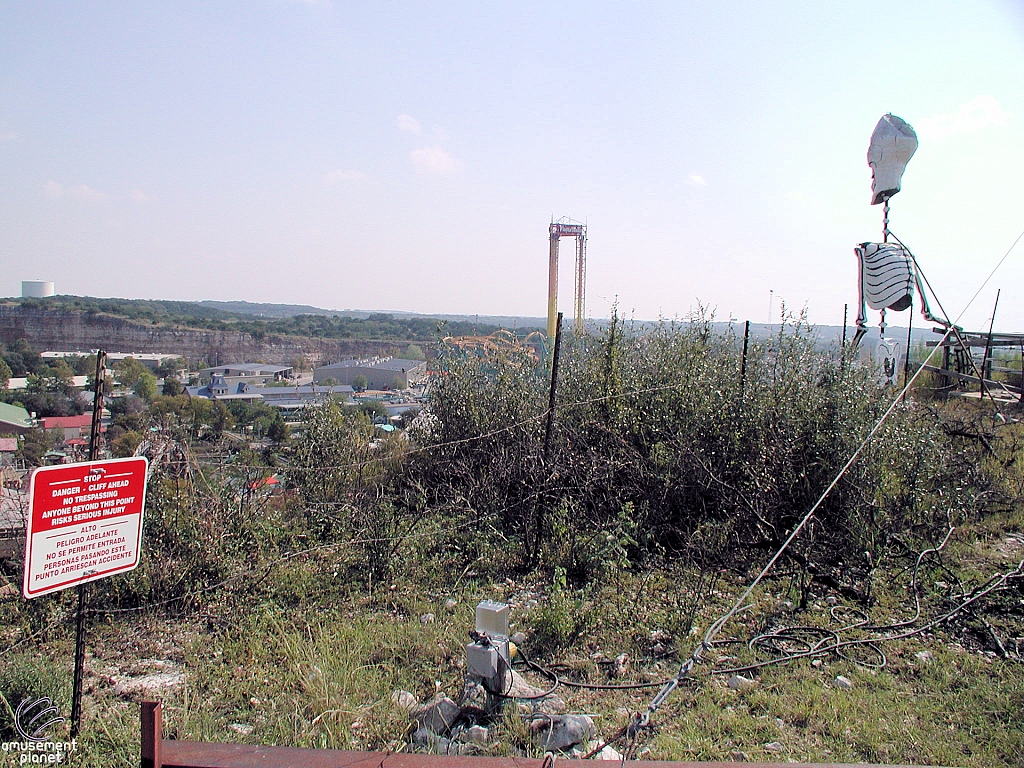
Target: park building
{"type": "Point", "coordinates": [376, 372]}
{"type": "Point", "coordinates": [249, 373]}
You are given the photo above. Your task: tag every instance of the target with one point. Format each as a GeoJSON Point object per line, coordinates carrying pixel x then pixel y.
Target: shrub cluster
{"type": "Point", "coordinates": [667, 444]}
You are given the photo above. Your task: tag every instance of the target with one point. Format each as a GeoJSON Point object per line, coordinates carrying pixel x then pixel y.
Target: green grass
{"type": "Point", "coordinates": [321, 672]}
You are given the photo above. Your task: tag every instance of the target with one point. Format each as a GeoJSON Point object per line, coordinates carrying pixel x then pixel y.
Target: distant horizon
{"type": "Point", "coordinates": [919, 325]}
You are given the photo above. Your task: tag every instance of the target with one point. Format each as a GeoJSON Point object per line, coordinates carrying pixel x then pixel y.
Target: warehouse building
{"type": "Point", "coordinates": [379, 373]}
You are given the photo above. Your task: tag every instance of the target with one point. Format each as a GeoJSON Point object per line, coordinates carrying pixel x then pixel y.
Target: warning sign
{"type": "Point", "coordinates": [84, 523]}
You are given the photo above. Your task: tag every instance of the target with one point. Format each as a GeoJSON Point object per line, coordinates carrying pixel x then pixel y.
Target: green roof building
{"type": "Point", "coordinates": [14, 420]}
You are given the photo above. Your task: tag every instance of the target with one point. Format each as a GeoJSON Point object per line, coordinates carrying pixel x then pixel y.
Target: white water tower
{"type": "Point", "coordinates": [36, 289]}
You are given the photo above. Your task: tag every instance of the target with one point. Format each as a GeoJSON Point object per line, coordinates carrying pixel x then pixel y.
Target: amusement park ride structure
{"type": "Point", "coordinates": [566, 227]}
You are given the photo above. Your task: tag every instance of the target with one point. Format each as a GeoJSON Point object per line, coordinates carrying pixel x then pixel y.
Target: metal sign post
{"type": "Point", "coordinates": [94, 442]}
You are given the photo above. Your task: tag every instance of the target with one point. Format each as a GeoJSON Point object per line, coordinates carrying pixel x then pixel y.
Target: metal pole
{"type": "Point", "coordinates": [94, 444]}
{"type": "Point", "coordinates": [537, 525]}
{"type": "Point", "coordinates": [842, 349]}
{"type": "Point", "coordinates": [554, 385]}
{"type": "Point", "coordinates": [743, 360]}
{"type": "Point", "coordinates": [76, 688]}
{"type": "Point", "coordinates": [581, 281]}
{"type": "Point", "coordinates": [97, 404]}
{"type": "Point", "coordinates": [906, 363]}
{"type": "Point", "coordinates": [988, 343]}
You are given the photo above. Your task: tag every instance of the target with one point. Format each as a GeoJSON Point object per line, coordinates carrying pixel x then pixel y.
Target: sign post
{"type": "Point", "coordinates": [85, 523]}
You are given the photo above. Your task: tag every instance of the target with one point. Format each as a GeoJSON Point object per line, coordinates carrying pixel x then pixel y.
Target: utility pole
{"type": "Point", "coordinates": [743, 360]}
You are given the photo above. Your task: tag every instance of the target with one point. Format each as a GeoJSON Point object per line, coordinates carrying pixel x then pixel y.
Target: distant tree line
{"type": "Point", "coordinates": [181, 314]}
{"type": "Point", "coordinates": [50, 389]}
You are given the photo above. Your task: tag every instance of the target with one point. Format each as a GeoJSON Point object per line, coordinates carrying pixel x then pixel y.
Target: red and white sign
{"type": "Point", "coordinates": [84, 523]}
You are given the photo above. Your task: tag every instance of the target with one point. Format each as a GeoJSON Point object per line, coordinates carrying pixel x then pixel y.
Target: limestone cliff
{"type": "Point", "coordinates": [75, 331]}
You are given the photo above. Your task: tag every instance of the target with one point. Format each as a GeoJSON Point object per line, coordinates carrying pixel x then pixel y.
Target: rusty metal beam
{"type": "Point", "coordinates": [159, 753]}
{"type": "Point", "coordinates": [1010, 388]}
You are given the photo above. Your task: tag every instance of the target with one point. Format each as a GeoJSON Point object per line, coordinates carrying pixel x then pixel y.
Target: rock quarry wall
{"type": "Point", "coordinates": [83, 331]}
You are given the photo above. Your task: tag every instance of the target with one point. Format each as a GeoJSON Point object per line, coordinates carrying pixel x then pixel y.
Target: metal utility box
{"type": "Point", "coordinates": [492, 618]}
{"type": "Point", "coordinates": [482, 660]}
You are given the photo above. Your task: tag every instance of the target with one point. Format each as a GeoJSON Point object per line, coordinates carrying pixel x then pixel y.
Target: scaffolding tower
{"type": "Point", "coordinates": [566, 227]}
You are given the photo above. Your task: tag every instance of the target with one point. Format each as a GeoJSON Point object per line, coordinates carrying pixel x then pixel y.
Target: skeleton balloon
{"type": "Point", "coordinates": [887, 274]}
{"type": "Point", "coordinates": [893, 143]}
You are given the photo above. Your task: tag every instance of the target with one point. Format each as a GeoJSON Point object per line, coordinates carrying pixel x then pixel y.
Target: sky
{"type": "Point", "coordinates": [410, 156]}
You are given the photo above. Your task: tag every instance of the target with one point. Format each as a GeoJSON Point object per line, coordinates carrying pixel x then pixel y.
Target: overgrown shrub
{"type": "Point", "coordinates": [711, 466]}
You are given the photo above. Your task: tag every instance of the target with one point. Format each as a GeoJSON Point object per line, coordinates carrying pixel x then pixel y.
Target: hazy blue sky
{"type": "Point", "coordinates": [410, 155]}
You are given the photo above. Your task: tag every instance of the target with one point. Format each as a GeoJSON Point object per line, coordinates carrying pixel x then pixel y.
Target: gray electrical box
{"type": "Point", "coordinates": [488, 657]}
{"type": "Point", "coordinates": [482, 660]}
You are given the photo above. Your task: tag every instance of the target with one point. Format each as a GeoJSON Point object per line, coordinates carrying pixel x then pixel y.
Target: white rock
{"type": "Point", "coordinates": [738, 756]}
{"type": "Point", "coordinates": [518, 638]}
{"type": "Point", "coordinates": [450, 603]}
{"type": "Point", "coordinates": [844, 682]}
{"type": "Point", "coordinates": [620, 665]}
{"type": "Point", "coordinates": [424, 737]}
{"type": "Point", "coordinates": [561, 731]}
{"type": "Point", "coordinates": [242, 728]}
{"type": "Point", "coordinates": [427, 618]}
{"type": "Point", "coordinates": [521, 689]}
{"type": "Point", "coordinates": [831, 600]}
{"type": "Point", "coordinates": [925, 657]}
{"type": "Point", "coordinates": [473, 693]}
{"type": "Point", "coordinates": [436, 716]}
{"type": "Point", "coordinates": [608, 754]}
{"type": "Point", "coordinates": [550, 705]}
{"type": "Point", "coordinates": [404, 700]}
{"type": "Point", "coordinates": [774, 746]}
{"type": "Point", "coordinates": [741, 683]}
{"type": "Point", "coordinates": [476, 734]}
{"type": "Point", "coordinates": [816, 663]}
{"type": "Point", "coordinates": [148, 684]}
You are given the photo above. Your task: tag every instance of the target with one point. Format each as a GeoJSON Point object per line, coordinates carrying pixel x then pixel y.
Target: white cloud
{"type": "Point", "coordinates": [347, 176]}
{"type": "Point", "coordinates": [8, 136]}
{"type": "Point", "coordinates": [81, 192]}
{"type": "Point", "coordinates": [410, 124]}
{"type": "Point", "coordinates": [978, 114]}
{"type": "Point", "coordinates": [695, 180]}
{"type": "Point", "coordinates": [433, 160]}
{"type": "Point", "coordinates": [138, 196]}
